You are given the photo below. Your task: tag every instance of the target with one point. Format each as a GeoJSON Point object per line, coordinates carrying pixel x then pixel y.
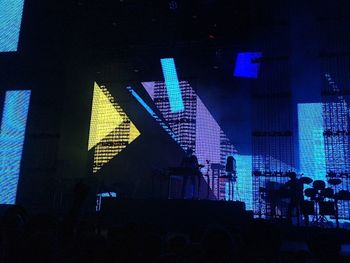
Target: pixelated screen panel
{"type": "Point", "coordinates": [104, 117]}
{"type": "Point", "coordinates": [10, 24]}
{"type": "Point", "coordinates": [12, 133]}
{"type": "Point", "coordinates": [110, 128]}
{"type": "Point", "coordinates": [194, 127]}
{"type": "Point", "coordinates": [172, 84]}
{"type": "Point", "coordinates": [153, 114]}
{"type": "Point", "coordinates": [245, 180]}
{"type": "Point", "coordinates": [337, 143]}
{"type": "Point", "coordinates": [247, 65]}
{"type": "Point", "coordinates": [311, 142]}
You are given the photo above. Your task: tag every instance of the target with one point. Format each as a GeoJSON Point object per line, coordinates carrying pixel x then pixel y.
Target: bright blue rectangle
{"type": "Point", "coordinates": [312, 156]}
{"type": "Point", "coordinates": [245, 179]}
{"type": "Point", "coordinates": [10, 24]}
{"type": "Point", "coordinates": [246, 65]}
{"type": "Point", "coordinates": [12, 132]}
{"type": "Point", "coordinates": [172, 85]}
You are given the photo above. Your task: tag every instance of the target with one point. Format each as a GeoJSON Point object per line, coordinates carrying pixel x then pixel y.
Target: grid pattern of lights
{"type": "Point", "coordinates": [312, 157]}
{"type": "Point", "coordinates": [336, 123]}
{"type": "Point", "coordinates": [336, 115]}
{"type": "Point", "coordinates": [245, 180]}
{"type": "Point", "coordinates": [272, 138]}
{"type": "Point", "coordinates": [183, 123]}
{"type": "Point", "coordinates": [246, 65]}
{"type": "Point", "coordinates": [208, 140]}
{"type": "Point", "coordinates": [154, 115]}
{"type": "Point", "coordinates": [10, 24]}
{"type": "Point", "coordinates": [110, 129]}
{"type": "Point", "coordinates": [12, 133]}
{"type": "Point", "coordinates": [194, 127]}
{"type": "Point", "coordinates": [172, 85]}
{"type": "Point", "coordinates": [104, 116]}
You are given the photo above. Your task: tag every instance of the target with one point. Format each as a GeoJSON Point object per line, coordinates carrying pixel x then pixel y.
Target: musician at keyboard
{"type": "Point", "coordinates": [190, 161]}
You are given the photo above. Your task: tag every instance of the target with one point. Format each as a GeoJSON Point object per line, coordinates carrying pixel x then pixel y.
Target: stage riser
{"type": "Point", "coordinates": [172, 214]}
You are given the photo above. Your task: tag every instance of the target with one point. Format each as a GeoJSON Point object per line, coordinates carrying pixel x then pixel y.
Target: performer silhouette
{"type": "Point", "coordinates": [295, 190]}
{"type": "Point", "coordinates": [190, 161]}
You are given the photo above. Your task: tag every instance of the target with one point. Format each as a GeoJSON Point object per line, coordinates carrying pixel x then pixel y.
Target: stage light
{"type": "Point", "coordinates": [12, 133]}
{"type": "Point", "coordinates": [110, 128]}
{"type": "Point", "coordinates": [312, 157]}
{"type": "Point", "coordinates": [247, 65]}
{"type": "Point", "coordinates": [172, 85]}
{"type": "Point", "coordinates": [10, 24]}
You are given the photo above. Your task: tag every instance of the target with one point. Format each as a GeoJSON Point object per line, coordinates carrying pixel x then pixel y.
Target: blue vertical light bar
{"type": "Point", "coordinates": [10, 24]}
{"type": "Point", "coordinates": [245, 179]}
{"type": "Point", "coordinates": [243, 189]}
{"type": "Point", "coordinates": [172, 85]}
{"type": "Point", "coordinates": [312, 157]}
{"type": "Point", "coordinates": [12, 131]}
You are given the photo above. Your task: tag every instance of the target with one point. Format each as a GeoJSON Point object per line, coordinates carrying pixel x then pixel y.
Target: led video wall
{"type": "Point", "coordinates": [12, 133]}
{"type": "Point", "coordinates": [190, 124]}
{"type": "Point", "coordinates": [10, 24]}
{"type": "Point", "coordinates": [312, 159]}
{"type": "Point", "coordinates": [194, 126]}
{"type": "Point", "coordinates": [110, 128]}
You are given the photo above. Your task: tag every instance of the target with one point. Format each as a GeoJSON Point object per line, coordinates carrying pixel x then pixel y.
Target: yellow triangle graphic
{"type": "Point", "coordinates": [104, 117]}
{"type": "Point", "coordinates": [134, 133]}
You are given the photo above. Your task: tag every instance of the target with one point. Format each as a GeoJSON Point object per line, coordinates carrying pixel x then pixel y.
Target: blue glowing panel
{"type": "Point", "coordinates": [10, 24]}
{"type": "Point", "coordinates": [13, 125]}
{"type": "Point", "coordinates": [312, 157]}
{"type": "Point", "coordinates": [243, 189]}
{"type": "Point", "coordinates": [107, 194]}
{"type": "Point", "coordinates": [244, 179]}
{"type": "Point", "coordinates": [247, 65]}
{"type": "Point", "coordinates": [172, 85]}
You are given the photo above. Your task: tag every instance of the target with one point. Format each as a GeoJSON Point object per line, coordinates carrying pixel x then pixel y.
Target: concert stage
{"type": "Point", "coordinates": [173, 214]}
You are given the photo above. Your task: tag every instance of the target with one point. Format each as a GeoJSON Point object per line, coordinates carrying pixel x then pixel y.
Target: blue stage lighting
{"type": "Point", "coordinates": [172, 85]}
{"type": "Point", "coordinates": [12, 132]}
{"type": "Point", "coordinates": [244, 179]}
{"type": "Point", "coordinates": [246, 65]}
{"type": "Point", "coordinates": [243, 188]}
{"type": "Point", "coordinates": [10, 24]}
{"type": "Point", "coordinates": [312, 157]}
